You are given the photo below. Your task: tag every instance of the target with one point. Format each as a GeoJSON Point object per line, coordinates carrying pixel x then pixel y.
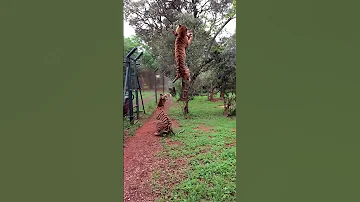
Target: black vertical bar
{"type": "Point", "coordinates": [136, 90]}
{"type": "Point", "coordinates": [142, 101]}
{"type": "Point", "coordinates": [126, 76]}
{"type": "Point", "coordinates": [136, 83]}
{"type": "Point", "coordinates": [155, 86]}
{"type": "Point", "coordinates": [131, 115]}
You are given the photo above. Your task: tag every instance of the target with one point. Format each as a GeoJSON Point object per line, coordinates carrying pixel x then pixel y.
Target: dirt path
{"type": "Point", "coordinates": [139, 161]}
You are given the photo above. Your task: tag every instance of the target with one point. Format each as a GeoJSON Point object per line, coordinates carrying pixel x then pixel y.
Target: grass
{"type": "Point", "coordinates": [150, 93]}
{"type": "Point", "coordinates": [208, 147]}
{"type": "Point", "coordinates": [147, 94]}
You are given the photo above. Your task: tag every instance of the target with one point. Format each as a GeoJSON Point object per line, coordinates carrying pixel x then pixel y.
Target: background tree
{"type": "Point", "coordinates": [154, 21]}
{"type": "Point", "coordinates": [148, 60]}
{"type": "Point", "coordinates": [221, 71]}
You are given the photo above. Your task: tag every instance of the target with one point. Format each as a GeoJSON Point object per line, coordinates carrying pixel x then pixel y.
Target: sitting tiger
{"type": "Point", "coordinates": [163, 124]}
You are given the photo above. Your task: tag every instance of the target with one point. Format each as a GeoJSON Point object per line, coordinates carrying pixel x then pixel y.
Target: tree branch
{"type": "Point", "coordinates": [216, 34]}
{"type": "Point", "coordinates": [202, 6]}
{"type": "Point", "coordinates": [197, 73]}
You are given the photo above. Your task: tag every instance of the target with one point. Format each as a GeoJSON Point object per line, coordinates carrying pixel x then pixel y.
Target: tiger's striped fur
{"type": "Point", "coordinates": [163, 124]}
{"type": "Point", "coordinates": [182, 41]}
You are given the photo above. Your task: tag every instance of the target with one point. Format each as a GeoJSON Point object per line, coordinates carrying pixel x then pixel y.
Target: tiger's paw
{"type": "Point", "coordinates": [161, 133]}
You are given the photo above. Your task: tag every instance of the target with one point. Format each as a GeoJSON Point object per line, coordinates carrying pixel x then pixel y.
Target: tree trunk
{"type": "Point", "coordinates": [185, 95]}
{"type": "Point", "coordinates": [222, 94]}
{"type": "Point", "coordinates": [226, 111]}
{"type": "Point", "coordinates": [211, 95]}
{"type": "Point", "coordinates": [222, 91]}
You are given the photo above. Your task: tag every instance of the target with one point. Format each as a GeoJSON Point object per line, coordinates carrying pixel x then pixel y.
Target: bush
{"type": "Point", "coordinates": [230, 104]}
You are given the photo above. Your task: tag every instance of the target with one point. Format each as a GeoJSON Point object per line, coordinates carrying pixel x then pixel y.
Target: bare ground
{"type": "Point", "coordinates": [140, 161]}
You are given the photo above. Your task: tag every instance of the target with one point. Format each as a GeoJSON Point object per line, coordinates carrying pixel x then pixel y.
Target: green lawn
{"type": "Point", "coordinates": [207, 150]}
{"type": "Point", "coordinates": [147, 94]}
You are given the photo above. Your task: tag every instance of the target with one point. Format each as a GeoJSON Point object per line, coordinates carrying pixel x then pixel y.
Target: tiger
{"type": "Point", "coordinates": [182, 42]}
{"type": "Point", "coordinates": [163, 124]}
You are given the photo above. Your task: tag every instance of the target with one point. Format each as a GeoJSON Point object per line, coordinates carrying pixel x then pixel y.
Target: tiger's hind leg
{"type": "Point", "coordinates": [161, 133]}
{"type": "Point", "coordinates": [159, 129]}
{"type": "Point", "coordinates": [168, 130]}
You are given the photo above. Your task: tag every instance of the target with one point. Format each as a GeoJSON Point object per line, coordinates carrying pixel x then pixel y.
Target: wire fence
{"type": "Point", "coordinates": [153, 82]}
{"type": "Point", "coordinates": [141, 86]}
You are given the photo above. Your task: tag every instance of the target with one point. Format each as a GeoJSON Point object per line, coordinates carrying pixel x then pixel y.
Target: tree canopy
{"type": "Point", "coordinates": [148, 59]}
{"type": "Point", "coordinates": [209, 55]}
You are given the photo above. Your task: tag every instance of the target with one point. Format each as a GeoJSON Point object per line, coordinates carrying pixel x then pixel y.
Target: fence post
{"type": "Point", "coordinates": [137, 86]}
{"type": "Point", "coordinates": [163, 83]}
{"type": "Point", "coordinates": [155, 84]}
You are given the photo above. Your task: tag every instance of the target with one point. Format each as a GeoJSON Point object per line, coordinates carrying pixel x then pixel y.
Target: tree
{"type": "Point", "coordinates": [220, 72]}
{"type": "Point", "coordinates": [147, 61]}
{"type": "Point", "coordinates": [227, 66]}
{"type": "Point", "coordinates": [151, 17]}
{"type": "Point", "coordinates": [227, 77]}
{"type": "Point", "coordinates": [154, 21]}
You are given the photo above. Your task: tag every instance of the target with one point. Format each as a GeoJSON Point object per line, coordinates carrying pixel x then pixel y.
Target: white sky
{"type": "Point", "coordinates": [128, 30]}
{"type": "Point", "coordinates": [227, 31]}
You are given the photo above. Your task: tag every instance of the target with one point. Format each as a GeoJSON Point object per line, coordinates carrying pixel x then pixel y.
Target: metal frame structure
{"type": "Point", "coordinates": [131, 84]}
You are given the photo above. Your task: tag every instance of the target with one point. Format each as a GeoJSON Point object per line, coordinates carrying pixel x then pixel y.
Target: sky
{"type": "Point", "coordinates": [227, 31]}
{"type": "Point", "coordinates": [128, 30]}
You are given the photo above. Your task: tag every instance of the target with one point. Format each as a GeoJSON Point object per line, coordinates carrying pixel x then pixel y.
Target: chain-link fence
{"type": "Point", "coordinates": [148, 79]}
{"type": "Point", "coordinates": [153, 83]}
{"type": "Point", "coordinates": [142, 86]}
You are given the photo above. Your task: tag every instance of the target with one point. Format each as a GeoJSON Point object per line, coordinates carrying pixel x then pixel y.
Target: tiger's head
{"type": "Point", "coordinates": [182, 31]}
{"type": "Point", "coordinates": [162, 100]}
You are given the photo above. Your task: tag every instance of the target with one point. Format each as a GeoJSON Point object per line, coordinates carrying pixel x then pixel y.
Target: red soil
{"type": "Point", "coordinates": [140, 161]}
{"type": "Point", "coordinates": [203, 127]}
